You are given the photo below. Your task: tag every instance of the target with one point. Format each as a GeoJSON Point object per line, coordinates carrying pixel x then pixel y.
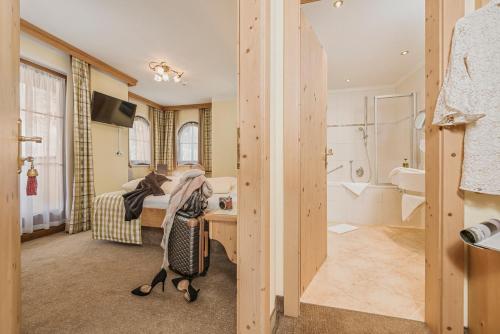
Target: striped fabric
{"type": "Point", "coordinates": [163, 126]}
{"type": "Point", "coordinates": [108, 220]}
{"type": "Point", "coordinates": [205, 143]}
{"type": "Point", "coordinates": [83, 178]}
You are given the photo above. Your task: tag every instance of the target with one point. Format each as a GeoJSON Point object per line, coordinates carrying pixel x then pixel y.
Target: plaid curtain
{"type": "Point", "coordinates": [163, 126]}
{"type": "Point", "coordinates": [83, 174]}
{"type": "Point", "coordinates": [205, 140]}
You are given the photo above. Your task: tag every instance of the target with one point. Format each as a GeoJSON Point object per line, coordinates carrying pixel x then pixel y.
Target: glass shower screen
{"type": "Point", "coordinates": [394, 133]}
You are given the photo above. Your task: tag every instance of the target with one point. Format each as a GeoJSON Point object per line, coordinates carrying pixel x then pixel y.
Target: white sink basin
{"type": "Point", "coordinates": [409, 179]}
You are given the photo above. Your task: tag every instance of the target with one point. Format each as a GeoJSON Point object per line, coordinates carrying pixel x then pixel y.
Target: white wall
{"type": "Point", "coordinates": [224, 124]}
{"type": "Point", "coordinates": [110, 169]}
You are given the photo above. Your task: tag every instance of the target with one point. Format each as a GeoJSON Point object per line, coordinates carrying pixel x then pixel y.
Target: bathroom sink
{"type": "Point", "coordinates": [409, 179]}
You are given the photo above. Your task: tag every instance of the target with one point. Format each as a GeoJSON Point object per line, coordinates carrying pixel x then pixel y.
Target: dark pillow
{"type": "Point", "coordinates": [155, 181]}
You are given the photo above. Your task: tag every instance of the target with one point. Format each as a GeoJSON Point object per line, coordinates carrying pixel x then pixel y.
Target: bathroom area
{"type": "Point", "coordinates": [375, 157]}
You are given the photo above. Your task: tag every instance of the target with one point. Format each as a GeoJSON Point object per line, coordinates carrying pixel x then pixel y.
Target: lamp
{"type": "Point", "coordinates": [163, 72]}
{"type": "Point", "coordinates": [338, 3]}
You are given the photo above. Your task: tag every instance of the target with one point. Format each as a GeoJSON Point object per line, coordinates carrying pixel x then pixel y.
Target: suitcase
{"type": "Point", "coordinates": [189, 246]}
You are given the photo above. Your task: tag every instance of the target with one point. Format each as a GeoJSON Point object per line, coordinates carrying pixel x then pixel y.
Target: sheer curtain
{"type": "Point", "coordinates": [140, 142]}
{"type": "Point", "coordinates": [42, 113]}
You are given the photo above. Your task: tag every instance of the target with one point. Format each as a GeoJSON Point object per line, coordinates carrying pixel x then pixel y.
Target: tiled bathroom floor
{"type": "Point", "coordinates": [375, 269]}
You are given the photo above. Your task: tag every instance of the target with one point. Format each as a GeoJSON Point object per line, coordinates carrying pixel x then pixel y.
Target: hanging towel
{"type": "Point", "coordinates": [409, 204]}
{"type": "Point", "coordinates": [356, 188]}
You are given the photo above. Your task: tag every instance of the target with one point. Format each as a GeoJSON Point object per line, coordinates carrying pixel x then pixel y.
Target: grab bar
{"type": "Point", "coordinates": [336, 168]}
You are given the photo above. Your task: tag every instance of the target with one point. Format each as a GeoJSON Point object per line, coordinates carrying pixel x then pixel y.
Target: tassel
{"type": "Point", "coordinates": [32, 185]}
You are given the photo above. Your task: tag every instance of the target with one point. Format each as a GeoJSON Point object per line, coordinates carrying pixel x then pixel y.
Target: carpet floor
{"type": "Point", "coordinates": [73, 284]}
{"type": "Point", "coordinates": [328, 320]}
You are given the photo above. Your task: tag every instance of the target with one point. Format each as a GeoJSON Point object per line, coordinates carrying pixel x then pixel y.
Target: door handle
{"type": "Point", "coordinates": [20, 140]}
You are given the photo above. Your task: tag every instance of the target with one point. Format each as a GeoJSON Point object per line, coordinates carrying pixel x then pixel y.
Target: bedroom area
{"type": "Point", "coordinates": [128, 166]}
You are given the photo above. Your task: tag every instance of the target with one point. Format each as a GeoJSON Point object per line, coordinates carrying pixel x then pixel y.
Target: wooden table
{"type": "Point", "coordinates": [223, 228]}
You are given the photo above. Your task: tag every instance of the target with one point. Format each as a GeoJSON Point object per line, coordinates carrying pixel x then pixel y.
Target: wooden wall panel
{"type": "Point", "coordinates": [313, 98]}
{"type": "Point", "coordinates": [253, 176]}
{"type": "Point", "coordinates": [484, 291]}
{"type": "Point", "coordinates": [10, 291]}
{"type": "Point", "coordinates": [291, 157]}
{"type": "Point", "coordinates": [444, 212]}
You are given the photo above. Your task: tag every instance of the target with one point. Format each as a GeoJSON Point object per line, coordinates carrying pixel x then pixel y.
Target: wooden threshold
{"type": "Point", "coordinates": [58, 43]}
{"type": "Point", "coordinates": [42, 233]}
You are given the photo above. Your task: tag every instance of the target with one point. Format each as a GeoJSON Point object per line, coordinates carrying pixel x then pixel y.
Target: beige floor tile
{"type": "Point", "coordinates": [375, 269]}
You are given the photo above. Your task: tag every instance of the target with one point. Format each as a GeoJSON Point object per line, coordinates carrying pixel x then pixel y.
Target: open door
{"type": "Point", "coordinates": [313, 185]}
{"type": "Point", "coordinates": [9, 195]}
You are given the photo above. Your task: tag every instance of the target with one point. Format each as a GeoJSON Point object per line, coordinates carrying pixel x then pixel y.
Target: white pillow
{"type": "Point", "coordinates": [169, 186]}
{"type": "Point", "coordinates": [222, 185]}
{"type": "Point", "coordinates": [131, 185]}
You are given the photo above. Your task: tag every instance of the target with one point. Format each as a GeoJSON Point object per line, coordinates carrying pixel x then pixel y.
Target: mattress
{"type": "Point", "coordinates": [156, 202]}
{"type": "Point", "coordinates": [161, 202]}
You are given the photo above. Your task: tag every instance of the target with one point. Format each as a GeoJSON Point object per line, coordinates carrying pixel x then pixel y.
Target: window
{"type": "Point", "coordinates": [140, 142]}
{"type": "Point", "coordinates": [187, 152]}
{"type": "Point", "coordinates": [42, 110]}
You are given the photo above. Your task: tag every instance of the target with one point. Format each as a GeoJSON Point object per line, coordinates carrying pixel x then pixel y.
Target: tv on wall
{"type": "Point", "coordinates": [110, 110]}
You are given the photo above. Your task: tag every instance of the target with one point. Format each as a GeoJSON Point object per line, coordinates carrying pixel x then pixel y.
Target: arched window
{"type": "Point", "coordinates": [140, 142]}
{"type": "Point", "coordinates": [187, 144]}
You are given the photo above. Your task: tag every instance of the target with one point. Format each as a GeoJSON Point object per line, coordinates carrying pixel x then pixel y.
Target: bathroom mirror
{"type": "Point", "coordinates": [420, 120]}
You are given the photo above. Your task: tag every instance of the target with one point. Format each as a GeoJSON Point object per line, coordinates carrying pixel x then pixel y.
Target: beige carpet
{"type": "Point", "coordinates": [73, 284]}
{"type": "Point", "coordinates": [328, 320]}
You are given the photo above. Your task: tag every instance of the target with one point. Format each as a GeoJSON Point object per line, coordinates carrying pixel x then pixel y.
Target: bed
{"type": "Point", "coordinates": [108, 211]}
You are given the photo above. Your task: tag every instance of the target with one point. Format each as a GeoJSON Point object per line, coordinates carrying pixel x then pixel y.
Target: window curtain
{"type": "Point", "coordinates": [163, 126]}
{"type": "Point", "coordinates": [42, 102]}
{"type": "Point", "coordinates": [83, 178]}
{"type": "Point", "coordinates": [205, 140]}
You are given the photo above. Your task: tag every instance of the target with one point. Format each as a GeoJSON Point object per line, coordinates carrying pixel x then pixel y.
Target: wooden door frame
{"type": "Point", "coordinates": [253, 307]}
{"type": "Point", "coordinates": [10, 241]}
{"type": "Point", "coordinates": [444, 281]}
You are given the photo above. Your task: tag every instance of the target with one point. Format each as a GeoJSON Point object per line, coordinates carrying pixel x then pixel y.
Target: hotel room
{"type": "Point", "coordinates": [235, 166]}
{"type": "Point", "coordinates": [133, 104]}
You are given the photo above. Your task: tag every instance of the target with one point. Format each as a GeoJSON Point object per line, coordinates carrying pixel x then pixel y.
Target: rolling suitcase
{"type": "Point", "coordinates": [189, 246]}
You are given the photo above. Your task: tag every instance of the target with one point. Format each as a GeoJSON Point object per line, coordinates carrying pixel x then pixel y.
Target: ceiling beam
{"type": "Point", "coordinates": [307, 1]}
{"type": "Point", "coordinates": [188, 106]}
{"type": "Point", "coordinates": [144, 100]}
{"type": "Point", "coordinates": [58, 43]}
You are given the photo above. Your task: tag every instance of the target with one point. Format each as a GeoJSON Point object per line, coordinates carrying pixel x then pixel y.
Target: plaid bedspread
{"type": "Point", "coordinates": [108, 220]}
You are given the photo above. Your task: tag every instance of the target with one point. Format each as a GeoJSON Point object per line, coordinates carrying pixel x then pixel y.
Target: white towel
{"type": "Point", "coordinates": [356, 188]}
{"type": "Point", "coordinates": [409, 204]}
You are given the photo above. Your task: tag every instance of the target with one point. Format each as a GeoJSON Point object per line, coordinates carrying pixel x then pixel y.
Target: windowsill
{"type": "Point", "coordinates": [139, 165]}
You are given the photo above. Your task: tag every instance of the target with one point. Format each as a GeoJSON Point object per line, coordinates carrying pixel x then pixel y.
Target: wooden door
{"type": "Point", "coordinates": [9, 194]}
{"type": "Point", "coordinates": [313, 103]}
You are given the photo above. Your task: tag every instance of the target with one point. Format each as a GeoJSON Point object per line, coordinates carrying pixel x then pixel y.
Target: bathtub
{"type": "Point", "coordinates": [378, 204]}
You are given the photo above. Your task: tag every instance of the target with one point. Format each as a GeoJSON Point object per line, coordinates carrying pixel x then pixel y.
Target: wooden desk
{"type": "Point", "coordinates": [223, 229]}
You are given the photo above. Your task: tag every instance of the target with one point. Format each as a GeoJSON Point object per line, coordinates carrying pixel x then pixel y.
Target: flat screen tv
{"type": "Point", "coordinates": [110, 110]}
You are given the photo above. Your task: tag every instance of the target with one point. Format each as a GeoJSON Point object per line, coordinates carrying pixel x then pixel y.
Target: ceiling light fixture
{"type": "Point", "coordinates": [347, 80]}
{"type": "Point", "coordinates": [404, 52]}
{"type": "Point", "coordinates": [338, 3]}
{"type": "Point", "coordinates": [162, 70]}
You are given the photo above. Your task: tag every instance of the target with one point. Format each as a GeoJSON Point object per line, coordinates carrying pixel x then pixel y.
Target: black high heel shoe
{"type": "Point", "coordinates": [146, 289]}
{"type": "Point", "coordinates": [184, 285]}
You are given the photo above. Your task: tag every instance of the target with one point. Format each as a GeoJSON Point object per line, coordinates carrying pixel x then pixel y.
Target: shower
{"type": "Point", "coordinates": [364, 129]}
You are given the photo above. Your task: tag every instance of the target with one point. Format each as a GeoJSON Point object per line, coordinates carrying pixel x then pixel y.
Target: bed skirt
{"type": "Point", "coordinates": [108, 220]}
